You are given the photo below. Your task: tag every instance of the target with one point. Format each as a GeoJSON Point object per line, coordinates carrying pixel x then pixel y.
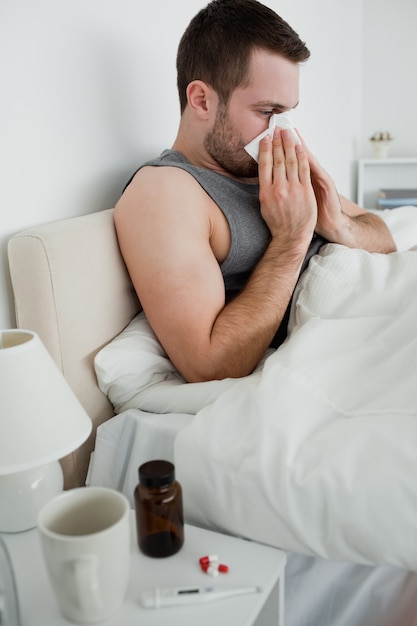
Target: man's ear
{"type": "Point", "coordinates": [201, 98]}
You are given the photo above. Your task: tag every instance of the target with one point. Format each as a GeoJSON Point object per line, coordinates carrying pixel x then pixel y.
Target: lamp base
{"type": "Point", "coordinates": [22, 495]}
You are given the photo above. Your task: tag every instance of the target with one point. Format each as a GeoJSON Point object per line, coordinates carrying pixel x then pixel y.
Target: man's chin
{"type": "Point", "coordinates": [249, 170]}
{"type": "Point", "coordinates": [242, 168]}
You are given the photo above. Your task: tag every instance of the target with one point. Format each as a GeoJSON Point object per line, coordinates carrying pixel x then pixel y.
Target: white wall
{"type": "Point", "coordinates": [88, 93]}
{"type": "Point", "coordinates": [331, 117]}
{"type": "Point", "coordinates": [390, 61]}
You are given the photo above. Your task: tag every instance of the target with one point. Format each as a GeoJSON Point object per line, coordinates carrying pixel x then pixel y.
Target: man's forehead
{"type": "Point", "coordinates": [272, 80]}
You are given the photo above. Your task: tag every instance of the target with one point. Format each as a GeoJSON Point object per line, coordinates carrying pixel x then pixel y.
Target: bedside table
{"type": "Point", "coordinates": [250, 564]}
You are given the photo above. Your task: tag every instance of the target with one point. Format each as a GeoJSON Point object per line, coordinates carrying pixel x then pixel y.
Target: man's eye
{"type": "Point", "coordinates": [266, 113]}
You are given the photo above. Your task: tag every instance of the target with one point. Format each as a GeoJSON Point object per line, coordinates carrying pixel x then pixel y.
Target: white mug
{"type": "Point", "coordinates": [85, 537]}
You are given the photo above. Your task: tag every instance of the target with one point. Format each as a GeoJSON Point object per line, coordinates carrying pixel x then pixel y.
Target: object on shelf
{"type": "Point", "coordinates": [398, 193]}
{"type": "Point", "coordinates": [376, 174]}
{"type": "Point", "coordinates": [380, 144]}
{"type": "Point", "coordinates": [391, 198]}
{"type": "Point", "coordinates": [159, 511]}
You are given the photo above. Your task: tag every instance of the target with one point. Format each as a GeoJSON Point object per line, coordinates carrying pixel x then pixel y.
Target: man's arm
{"type": "Point", "coordinates": [166, 230]}
{"type": "Point", "coordinates": [366, 230]}
{"type": "Point", "coordinates": [342, 221]}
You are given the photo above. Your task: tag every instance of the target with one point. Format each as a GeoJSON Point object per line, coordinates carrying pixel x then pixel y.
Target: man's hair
{"type": "Point", "coordinates": [217, 45]}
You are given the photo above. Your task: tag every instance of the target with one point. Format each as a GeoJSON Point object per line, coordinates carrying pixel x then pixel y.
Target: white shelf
{"type": "Point", "coordinates": [389, 173]}
{"type": "Point", "coordinates": [251, 564]}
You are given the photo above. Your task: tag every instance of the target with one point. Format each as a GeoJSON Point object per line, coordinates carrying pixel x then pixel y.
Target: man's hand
{"type": "Point", "coordinates": [341, 221]}
{"type": "Point", "coordinates": [329, 208]}
{"type": "Point", "coordinates": [288, 203]}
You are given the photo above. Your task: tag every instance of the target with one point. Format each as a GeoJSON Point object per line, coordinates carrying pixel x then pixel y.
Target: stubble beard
{"type": "Point", "coordinates": [225, 145]}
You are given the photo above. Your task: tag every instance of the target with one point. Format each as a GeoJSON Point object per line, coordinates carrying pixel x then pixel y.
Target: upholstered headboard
{"type": "Point", "coordinates": [71, 287]}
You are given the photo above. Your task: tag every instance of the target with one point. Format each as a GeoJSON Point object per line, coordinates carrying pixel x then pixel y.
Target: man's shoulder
{"type": "Point", "coordinates": [165, 181]}
{"type": "Point", "coordinates": [169, 164]}
{"type": "Point", "coordinates": [164, 190]}
{"type": "Point", "coordinates": [152, 173]}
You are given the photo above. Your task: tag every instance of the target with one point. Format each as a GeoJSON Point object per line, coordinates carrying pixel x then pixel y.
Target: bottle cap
{"type": "Point", "coordinates": [156, 473]}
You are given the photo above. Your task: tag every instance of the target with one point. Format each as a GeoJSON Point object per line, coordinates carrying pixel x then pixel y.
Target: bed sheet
{"type": "Point", "coordinates": [318, 592]}
{"type": "Point", "coordinates": [128, 440]}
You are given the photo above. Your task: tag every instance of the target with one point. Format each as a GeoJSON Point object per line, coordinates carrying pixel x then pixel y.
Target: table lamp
{"type": "Point", "coordinates": [41, 421]}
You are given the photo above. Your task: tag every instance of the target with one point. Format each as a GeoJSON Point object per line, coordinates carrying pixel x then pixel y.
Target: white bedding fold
{"type": "Point", "coordinates": [318, 454]}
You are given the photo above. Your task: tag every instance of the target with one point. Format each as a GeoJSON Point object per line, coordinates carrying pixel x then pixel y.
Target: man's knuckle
{"type": "Point", "coordinates": [279, 161]}
{"type": "Point", "coordinates": [291, 162]}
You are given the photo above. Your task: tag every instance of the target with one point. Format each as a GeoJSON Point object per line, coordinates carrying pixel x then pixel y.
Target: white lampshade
{"type": "Point", "coordinates": [41, 421]}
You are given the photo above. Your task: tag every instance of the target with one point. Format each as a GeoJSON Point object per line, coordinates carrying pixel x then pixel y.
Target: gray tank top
{"type": "Point", "coordinates": [250, 235]}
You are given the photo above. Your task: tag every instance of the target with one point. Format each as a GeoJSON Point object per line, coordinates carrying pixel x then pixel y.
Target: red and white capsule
{"type": "Point", "coordinates": [209, 565]}
{"type": "Point", "coordinates": [212, 570]}
{"type": "Point", "coordinates": [208, 559]}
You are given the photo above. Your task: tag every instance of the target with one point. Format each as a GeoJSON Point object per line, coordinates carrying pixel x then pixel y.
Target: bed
{"type": "Point", "coordinates": [351, 536]}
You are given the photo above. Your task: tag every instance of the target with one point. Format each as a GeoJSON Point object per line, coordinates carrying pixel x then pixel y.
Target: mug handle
{"type": "Point", "coordinates": [85, 580]}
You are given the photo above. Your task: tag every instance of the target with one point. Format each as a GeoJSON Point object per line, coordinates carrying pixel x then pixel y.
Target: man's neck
{"type": "Point", "coordinates": [202, 159]}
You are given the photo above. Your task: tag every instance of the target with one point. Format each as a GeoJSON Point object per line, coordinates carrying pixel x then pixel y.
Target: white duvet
{"type": "Point", "coordinates": [317, 453]}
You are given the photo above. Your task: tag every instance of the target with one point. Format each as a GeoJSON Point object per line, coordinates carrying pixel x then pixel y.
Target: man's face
{"type": "Point", "coordinates": [273, 87]}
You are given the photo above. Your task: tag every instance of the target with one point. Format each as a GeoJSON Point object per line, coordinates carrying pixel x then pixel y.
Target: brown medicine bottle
{"type": "Point", "coordinates": [158, 506]}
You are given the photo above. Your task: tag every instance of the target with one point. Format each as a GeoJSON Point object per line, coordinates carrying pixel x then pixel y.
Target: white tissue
{"type": "Point", "coordinates": [283, 121]}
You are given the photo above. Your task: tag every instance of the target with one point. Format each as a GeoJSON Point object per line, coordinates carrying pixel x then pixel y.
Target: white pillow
{"type": "Point", "coordinates": [134, 372]}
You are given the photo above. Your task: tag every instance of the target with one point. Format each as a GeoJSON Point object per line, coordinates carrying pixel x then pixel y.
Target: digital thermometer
{"type": "Point", "coordinates": [177, 596]}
